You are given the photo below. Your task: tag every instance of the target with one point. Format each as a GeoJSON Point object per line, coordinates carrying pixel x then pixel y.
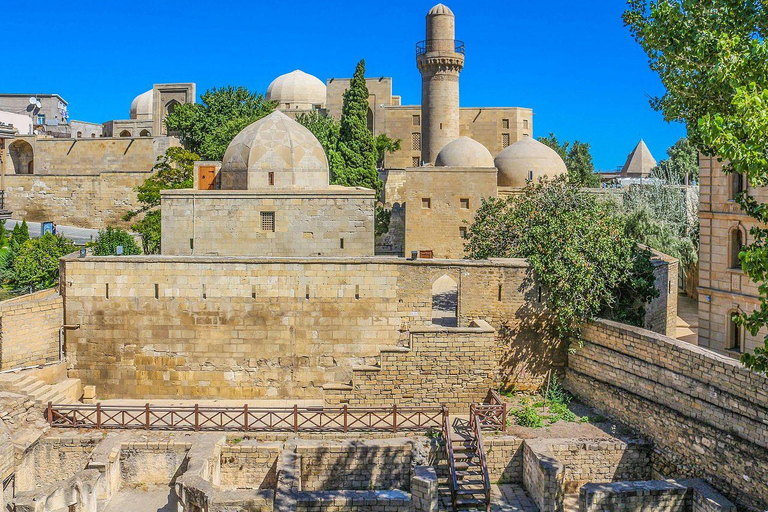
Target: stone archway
{"type": "Point", "coordinates": [22, 157]}
{"type": "Point", "coordinates": [171, 106]}
{"type": "Point", "coordinates": [145, 133]}
{"type": "Point", "coordinates": [445, 302]}
{"type": "Point", "coordinates": [125, 133]}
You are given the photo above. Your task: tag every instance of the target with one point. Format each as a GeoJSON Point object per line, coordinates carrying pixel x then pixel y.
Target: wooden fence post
{"type": "Point", "coordinates": [345, 418]}
{"type": "Point", "coordinates": [197, 418]}
{"type": "Point", "coordinates": [146, 416]}
{"type": "Point", "coordinates": [50, 413]}
{"type": "Point", "coordinates": [295, 418]}
{"type": "Point", "coordinates": [245, 417]}
{"type": "Point", "coordinates": [98, 415]}
{"type": "Point", "coordinates": [394, 418]}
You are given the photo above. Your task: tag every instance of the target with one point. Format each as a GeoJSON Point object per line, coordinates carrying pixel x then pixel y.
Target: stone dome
{"type": "Point", "coordinates": [141, 106]}
{"type": "Point", "coordinates": [274, 152]}
{"type": "Point", "coordinates": [297, 89]}
{"type": "Point", "coordinates": [440, 9]}
{"type": "Point", "coordinates": [527, 159]}
{"type": "Point", "coordinates": [464, 152]}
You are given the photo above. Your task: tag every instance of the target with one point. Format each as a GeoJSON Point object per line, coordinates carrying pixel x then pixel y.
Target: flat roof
{"type": "Point", "coordinates": [30, 94]}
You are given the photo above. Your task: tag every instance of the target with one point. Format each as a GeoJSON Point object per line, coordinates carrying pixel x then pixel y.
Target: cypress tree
{"type": "Point", "coordinates": [356, 145]}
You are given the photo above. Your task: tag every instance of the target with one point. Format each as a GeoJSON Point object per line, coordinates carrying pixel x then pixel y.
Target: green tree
{"type": "Point", "coordinates": [712, 58]}
{"type": "Point", "coordinates": [207, 128]}
{"type": "Point", "coordinates": [109, 239]}
{"type": "Point", "coordinates": [173, 170]}
{"type": "Point", "coordinates": [577, 158]}
{"type": "Point", "coordinates": [681, 167]}
{"type": "Point", "coordinates": [577, 247]}
{"type": "Point", "coordinates": [36, 262]}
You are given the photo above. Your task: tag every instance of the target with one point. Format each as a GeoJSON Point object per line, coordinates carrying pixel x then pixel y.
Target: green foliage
{"type": "Point", "coordinates": [356, 142]}
{"type": "Point", "coordinates": [700, 49]}
{"type": "Point", "coordinates": [528, 417]}
{"type": "Point", "coordinates": [577, 158]}
{"type": "Point", "coordinates": [381, 220]}
{"type": "Point", "coordinates": [207, 128]}
{"type": "Point", "coordinates": [683, 161]}
{"type": "Point", "coordinates": [173, 170]}
{"type": "Point", "coordinates": [577, 247]}
{"type": "Point", "coordinates": [741, 139]}
{"type": "Point", "coordinates": [555, 393]}
{"type": "Point", "coordinates": [326, 129]}
{"type": "Point", "coordinates": [384, 146]}
{"type": "Point", "coordinates": [109, 239]}
{"type": "Point", "coordinates": [35, 262]}
{"type": "Point", "coordinates": [633, 293]}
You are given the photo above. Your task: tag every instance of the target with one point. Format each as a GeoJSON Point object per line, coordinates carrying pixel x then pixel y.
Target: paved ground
{"type": "Point", "coordinates": [80, 236]}
{"type": "Point", "coordinates": [159, 498]}
{"type": "Point", "coordinates": [687, 320]}
{"type": "Point", "coordinates": [215, 403]}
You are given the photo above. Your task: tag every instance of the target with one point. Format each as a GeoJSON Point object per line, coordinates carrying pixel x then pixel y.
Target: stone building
{"type": "Point", "coordinates": [271, 197]}
{"type": "Point", "coordinates": [724, 289]}
{"type": "Point", "coordinates": [49, 112]}
{"type": "Point", "coordinates": [639, 162]}
{"type": "Point", "coordinates": [149, 110]}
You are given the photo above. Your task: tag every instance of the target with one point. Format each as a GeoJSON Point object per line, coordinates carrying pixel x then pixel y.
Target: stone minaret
{"type": "Point", "coordinates": [440, 59]}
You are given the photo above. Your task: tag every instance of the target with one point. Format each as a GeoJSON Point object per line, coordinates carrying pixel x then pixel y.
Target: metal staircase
{"type": "Point", "coordinates": [468, 480]}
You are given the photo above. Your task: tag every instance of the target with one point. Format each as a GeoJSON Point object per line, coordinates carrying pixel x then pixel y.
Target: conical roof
{"type": "Point", "coordinates": [639, 162]}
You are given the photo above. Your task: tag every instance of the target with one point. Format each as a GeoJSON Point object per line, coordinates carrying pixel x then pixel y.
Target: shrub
{"type": "Point", "coordinates": [109, 239]}
{"type": "Point", "coordinates": [528, 417]}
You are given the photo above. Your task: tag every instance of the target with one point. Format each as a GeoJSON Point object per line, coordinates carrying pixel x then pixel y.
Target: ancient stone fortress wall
{"type": "Point", "coordinates": [705, 413]}
{"type": "Point", "coordinates": [661, 313]}
{"type": "Point", "coordinates": [659, 495]}
{"type": "Point", "coordinates": [89, 201]}
{"type": "Point", "coordinates": [282, 327]}
{"type": "Point", "coordinates": [334, 222]}
{"type": "Point", "coordinates": [29, 329]}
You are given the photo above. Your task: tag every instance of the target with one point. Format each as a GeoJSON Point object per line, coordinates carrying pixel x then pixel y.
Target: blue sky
{"type": "Point", "coordinates": [574, 63]}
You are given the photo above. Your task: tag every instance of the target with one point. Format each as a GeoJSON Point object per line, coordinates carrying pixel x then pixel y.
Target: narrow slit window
{"type": "Point", "coordinates": [191, 244]}
{"type": "Point", "coordinates": [357, 291]}
{"type": "Point", "coordinates": [463, 231]}
{"type": "Point", "coordinates": [341, 243]}
{"type": "Point", "coordinates": [306, 292]}
{"type": "Point", "coordinates": [499, 294]}
{"type": "Point", "coordinates": [205, 295]}
{"type": "Point", "coordinates": [157, 291]}
{"type": "Point", "coordinates": [106, 291]}
{"type": "Point", "coordinates": [271, 179]}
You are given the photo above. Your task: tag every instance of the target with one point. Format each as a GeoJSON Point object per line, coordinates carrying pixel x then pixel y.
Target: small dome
{"type": "Point", "coordinates": [464, 152]}
{"type": "Point", "coordinates": [297, 89]}
{"type": "Point", "coordinates": [141, 106]}
{"type": "Point", "coordinates": [527, 159]}
{"type": "Point", "coordinates": [440, 9]}
{"type": "Point", "coordinates": [275, 144]}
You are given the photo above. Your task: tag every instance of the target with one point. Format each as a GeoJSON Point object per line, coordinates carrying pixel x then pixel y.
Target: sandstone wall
{"type": "Point", "coordinates": [333, 222]}
{"type": "Point", "coordinates": [282, 328]}
{"type": "Point", "coordinates": [29, 329]}
{"type": "Point", "coordinates": [152, 463]}
{"type": "Point", "coordinates": [661, 313]}
{"type": "Point", "coordinates": [704, 412]}
{"type": "Point", "coordinates": [249, 465]}
{"type": "Point", "coordinates": [88, 201]}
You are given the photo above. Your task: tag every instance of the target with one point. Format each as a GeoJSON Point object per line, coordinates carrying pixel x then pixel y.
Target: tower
{"type": "Point", "coordinates": [440, 59]}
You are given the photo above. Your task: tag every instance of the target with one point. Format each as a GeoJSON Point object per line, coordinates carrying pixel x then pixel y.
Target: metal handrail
{"type": "Point", "coordinates": [449, 454]}
{"type": "Point", "coordinates": [428, 45]}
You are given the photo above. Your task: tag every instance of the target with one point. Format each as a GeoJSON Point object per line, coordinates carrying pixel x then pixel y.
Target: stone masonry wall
{"type": "Point", "coordinates": [705, 414]}
{"type": "Point", "coordinates": [422, 374]}
{"type": "Point", "coordinates": [29, 329]}
{"type": "Point", "coordinates": [249, 464]}
{"type": "Point", "coordinates": [152, 463]}
{"type": "Point", "coordinates": [355, 465]}
{"type": "Point", "coordinates": [282, 328]}
{"type": "Point", "coordinates": [88, 201]}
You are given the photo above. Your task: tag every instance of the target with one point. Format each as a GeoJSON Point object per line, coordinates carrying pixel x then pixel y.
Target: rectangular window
{"type": "Point", "coordinates": [525, 124]}
{"type": "Point", "coordinates": [504, 140]}
{"type": "Point", "coordinates": [426, 202]}
{"type": "Point", "coordinates": [271, 179]}
{"type": "Point", "coordinates": [505, 124]}
{"type": "Point", "coordinates": [464, 203]}
{"type": "Point", "coordinates": [463, 231]}
{"type": "Point", "coordinates": [341, 243]}
{"type": "Point", "coordinates": [530, 175]}
{"type": "Point", "coordinates": [416, 141]}
{"type": "Point", "coordinates": [157, 291]}
{"type": "Point", "coordinates": [417, 120]}
{"type": "Point", "coordinates": [416, 161]}
{"type": "Point", "coordinates": [267, 221]}
{"type": "Point", "coordinates": [40, 118]}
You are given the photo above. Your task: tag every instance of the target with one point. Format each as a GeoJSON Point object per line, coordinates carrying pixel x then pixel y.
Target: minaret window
{"type": "Point", "coordinates": [416, 141]}
{"type": "Point", "coordinates": [417, 120]}
{"type": "Point", "coordinates": [505, 124]}
{"type": "Point", "coordinates": [504, 140]}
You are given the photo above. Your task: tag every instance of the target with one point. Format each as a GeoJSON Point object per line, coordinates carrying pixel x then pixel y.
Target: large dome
{"type": "Point", "coordinates": [464, 152]}
{"type": "Point", "coordinates": [527, 159]}
{"type": "Point", "coordinates": [141, 106]}
{"type": "Point", "coordinates": [297, 90]}
{"type": "Point", "coordinates": [275, 151]}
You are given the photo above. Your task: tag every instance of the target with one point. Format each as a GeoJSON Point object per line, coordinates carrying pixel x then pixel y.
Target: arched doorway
{"type": "Point", "coordinates": [125, 133]}
{"type": "Point", "coordinates": [22, 156]}
{"type": "Point", "coordinates": [171, 106]}
{"type": "Point", "coordinates": [145, 133]}
{"type": "Point", "coordinates": [445, 302]}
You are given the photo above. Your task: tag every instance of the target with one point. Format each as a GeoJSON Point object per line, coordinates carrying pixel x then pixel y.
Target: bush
{"type": "Point", "coordinates": [109, 239]}
{"type": "Point", "coordinates": [36, 262]}
{"type": "Point", "coordinates": [528, 417]}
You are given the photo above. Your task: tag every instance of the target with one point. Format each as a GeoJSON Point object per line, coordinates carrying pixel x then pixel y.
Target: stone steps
{"type": "Point", "coordinates": [29, 385]}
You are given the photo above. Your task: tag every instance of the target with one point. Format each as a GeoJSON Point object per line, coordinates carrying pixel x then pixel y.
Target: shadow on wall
{"type": "Point", "coordinates": [445, 302]}
{"type": "Point", "coordinates": [529, 348]}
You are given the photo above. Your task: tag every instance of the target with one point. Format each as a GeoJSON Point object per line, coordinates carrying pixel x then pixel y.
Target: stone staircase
{"type": "Point", "coordinates": [30, 385]}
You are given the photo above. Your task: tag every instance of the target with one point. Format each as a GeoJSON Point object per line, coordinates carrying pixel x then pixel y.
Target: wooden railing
{"type": "Point", "coordinates": [449, 454]}
{"type": "Point", "coordinates": [474, 423]}
{"type": "Point", "coordinates": [492, 414]}
{"type": "Point", "coordinates": [244, 419]}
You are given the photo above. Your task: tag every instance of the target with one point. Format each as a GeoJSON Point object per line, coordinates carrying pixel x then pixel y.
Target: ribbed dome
{"type": "Point", "coordinates": [527, 159]}
{"type": "Point", "coordinates": [440, 9]}
{"type": "Point", "coordinates": [464, 152]}
{"type": "Point", "coordinates": [297, 89]}
{"type": "Point", "coordinates": [141, 106]}
{"type": "Point", "coordinates": [274, 144]}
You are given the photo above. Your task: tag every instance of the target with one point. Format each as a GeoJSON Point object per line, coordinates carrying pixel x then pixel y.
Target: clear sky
{"type": "Point", "coordinates": [574, 63]}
